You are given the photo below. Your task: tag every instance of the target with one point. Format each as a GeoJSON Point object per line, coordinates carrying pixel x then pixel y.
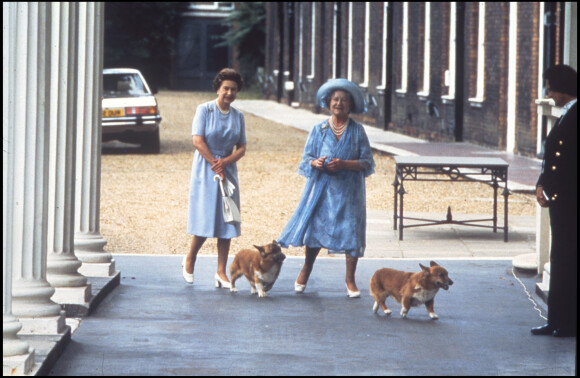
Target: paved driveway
{"type": "Point", "coordinates": [155, 324]}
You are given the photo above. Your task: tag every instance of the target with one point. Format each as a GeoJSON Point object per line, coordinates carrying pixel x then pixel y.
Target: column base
{"type": "Point", "coordinates": [526, 261]}
{"type": "Point", "coordinates": [96, 261]}
{"type": "Point", "coordinates": [48, 349]}
{"type": "Point", "coordinates": [62, 271]}
{"type": "Point", "coordinates": [21, 364]}
{"type": "Point", "coordinates": [98, 269]}
{"type": "Point", "coordinates": [72, 295]}
{"type": "Point", "coordinates": [89, 242]}
{"type": "Point", "coordinates": [46, 325]}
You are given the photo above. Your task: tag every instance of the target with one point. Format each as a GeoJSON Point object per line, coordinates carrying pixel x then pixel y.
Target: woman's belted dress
{"type": "Point", "coordinates": [222, 132]}
{"type": "Point", "coordinates": [332, 210]}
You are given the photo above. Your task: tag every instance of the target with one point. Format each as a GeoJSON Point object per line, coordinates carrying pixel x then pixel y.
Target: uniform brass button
{"type": "Point", "coordinates": [557, 154]}
{"type": "Point", "coordinates": [561, 142]}
{"type": "Point", "coordinates": [553, 198]}
{"type": "Point", "coordinates": [553, 167]}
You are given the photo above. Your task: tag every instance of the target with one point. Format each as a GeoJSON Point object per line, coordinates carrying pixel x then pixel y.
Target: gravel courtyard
{"type": "Point", "coordinates": [144, 197]}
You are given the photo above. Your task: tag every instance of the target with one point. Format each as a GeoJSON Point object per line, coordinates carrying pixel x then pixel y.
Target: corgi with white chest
{"type": "Point", "coordinates": [260, 267]}
{"type": "Point", "coordinates": [409, 289]}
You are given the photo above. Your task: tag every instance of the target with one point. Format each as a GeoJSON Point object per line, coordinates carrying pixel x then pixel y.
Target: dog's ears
{"type": "Point", "coordinates": [260, 248]}
{"type": "Point", "coordinates": [432, 263]}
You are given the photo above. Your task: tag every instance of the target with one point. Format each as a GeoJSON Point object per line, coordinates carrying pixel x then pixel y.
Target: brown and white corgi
{"type": "Point", "coordinates": [409, 289]}
{"type": "Point", "coordinates": [260, 267]}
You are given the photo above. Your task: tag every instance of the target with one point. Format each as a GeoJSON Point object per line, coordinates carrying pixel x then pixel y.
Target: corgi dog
{"type": "Point", "coordinates": [409, 289]}
{"type": "Point", "coordinates": [260, 267]}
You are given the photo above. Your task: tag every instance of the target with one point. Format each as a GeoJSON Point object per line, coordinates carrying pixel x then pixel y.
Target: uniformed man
{"type": "Point", "coordinates": [557, 189]}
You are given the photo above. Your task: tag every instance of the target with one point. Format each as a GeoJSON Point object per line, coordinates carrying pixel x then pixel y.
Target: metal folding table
{"type": "Point", "coordinates": [492, 171]}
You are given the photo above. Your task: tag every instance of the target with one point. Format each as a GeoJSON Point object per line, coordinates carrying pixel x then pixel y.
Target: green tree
{"type": "Point", "coordinates": [142, 35]}
{"type": "Point", "coordinates": [248, 35]}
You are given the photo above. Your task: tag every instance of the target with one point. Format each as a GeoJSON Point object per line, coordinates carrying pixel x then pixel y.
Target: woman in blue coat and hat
{"type": "Point", "coordinates": [337, 158]}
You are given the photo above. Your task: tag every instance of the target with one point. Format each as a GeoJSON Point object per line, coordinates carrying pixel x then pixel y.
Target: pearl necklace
{"type": "Point", "coordinates": [220, 109]}
{"type": "Point", "coordinates": [337, 130]}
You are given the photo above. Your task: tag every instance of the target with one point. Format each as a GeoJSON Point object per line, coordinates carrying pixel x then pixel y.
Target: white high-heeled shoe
{"type": "Point", "coordinates": [352, 294]}
{"type": "Point", "coordinates": [186, 276]}
{"type": "Point", "coordinates": [221, 283]}
{"type": "Point", "coordinates": [299, 288]}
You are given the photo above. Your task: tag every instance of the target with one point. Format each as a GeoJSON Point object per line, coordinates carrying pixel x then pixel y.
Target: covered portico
{"type": "Point", "coordinates": [52, 68]}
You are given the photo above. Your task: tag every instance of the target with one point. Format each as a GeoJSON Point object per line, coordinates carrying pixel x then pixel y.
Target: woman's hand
{"type": "Point", "coordinates": [218, 166]}
{"type": "Point", "coordinates": [335, 165]}
{"type": "Point", "coordinates": [318, 163]}
{"type": "Point", "coordinates": [542, 201]}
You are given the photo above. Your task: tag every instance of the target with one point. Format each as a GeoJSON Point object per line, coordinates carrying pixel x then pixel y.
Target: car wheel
{"type": "Point", "coordinates": [151, 142]}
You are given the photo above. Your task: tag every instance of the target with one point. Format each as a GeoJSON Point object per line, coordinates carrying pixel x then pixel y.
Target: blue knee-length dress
{"type": "Point", "coordinates": [332, 210]}
{"type": "Point", "coordinates": [222, 132]}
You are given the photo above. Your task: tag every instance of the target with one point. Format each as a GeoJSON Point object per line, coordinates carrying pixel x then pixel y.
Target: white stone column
{"type": "Point", "coordinates": [62, 264]}
{"type": "Point", "coordinates": [88, 241]}
{"type": "Point", "coordinates": [31, 292]}
{"type": "Point", "coordinates": [18, 357]}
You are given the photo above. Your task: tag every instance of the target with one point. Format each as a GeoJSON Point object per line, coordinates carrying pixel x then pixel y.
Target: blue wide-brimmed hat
{"type": "Point", "coordinates": [359, 106]}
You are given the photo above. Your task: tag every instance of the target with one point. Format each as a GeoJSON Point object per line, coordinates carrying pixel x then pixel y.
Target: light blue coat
{"type": "Point", "coordinates": [332, 210]}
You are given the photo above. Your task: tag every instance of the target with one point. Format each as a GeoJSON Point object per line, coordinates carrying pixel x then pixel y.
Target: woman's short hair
{"type": "Point", "coordinates": [228, 74]}
{"type": "Point", "coordinates": [562, 78]}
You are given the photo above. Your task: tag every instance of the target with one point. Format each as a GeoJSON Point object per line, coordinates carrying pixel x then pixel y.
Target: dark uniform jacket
{"type": "Point", "coordinates": [559, 180]}
{"type": "Point", "coordinates": [560, 168]}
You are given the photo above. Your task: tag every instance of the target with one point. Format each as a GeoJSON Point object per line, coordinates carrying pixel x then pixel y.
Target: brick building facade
{"type": "Point", "coordinates": [438, 71]}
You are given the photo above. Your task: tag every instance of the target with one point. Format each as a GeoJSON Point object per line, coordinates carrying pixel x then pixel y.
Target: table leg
{"type": "Point", "coordinates": [495, 206]}
{"type": "Point", "coordinates": [506, 193]}
{"type": "Point", "coordinates": [401, 215]}
{"type": "Point", "coordinates": [395, 208]}
{"type": "Point", "coordinates": [505, 224]}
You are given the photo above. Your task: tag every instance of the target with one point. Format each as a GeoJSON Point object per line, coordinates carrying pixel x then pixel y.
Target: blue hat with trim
{"type": "Point", "coordinates": [359, 106]}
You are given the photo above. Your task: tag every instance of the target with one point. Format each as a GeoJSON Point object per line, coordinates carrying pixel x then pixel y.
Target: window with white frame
{"type": "Point", "coordinates": [479, 85]}
{"type": "Point", "coordinates": [367, 41]}
{"type": "Point", "coordinates": [334, 39]}
{"type": "Point", "coordinates": [404, 49]}
{"type": "Point", "coordinates": [349, 61]}
{"type": "Point", "coordinates": [312, 43]}
{"type": "Point", "coordinates": [426, 52]}
{"type": "Point", "coordinates": [383, 85]}
{"type": "Point", "coordinates": [300, 41]}
{"type": "Point", "coordinates": [450, 73]}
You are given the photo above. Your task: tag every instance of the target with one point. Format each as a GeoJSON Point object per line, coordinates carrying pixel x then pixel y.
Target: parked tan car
{"type": "Point", "coordinates": [130, 111]}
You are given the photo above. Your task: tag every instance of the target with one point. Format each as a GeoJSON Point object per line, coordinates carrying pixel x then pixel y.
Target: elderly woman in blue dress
{"type": "Point", "coordinates": [337, 158]}
{"type": "Point", "coordinates": [219, 138]}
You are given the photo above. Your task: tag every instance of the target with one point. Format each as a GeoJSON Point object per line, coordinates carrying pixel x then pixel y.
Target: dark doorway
{"type": "Point", "coordinates": [197, 58]}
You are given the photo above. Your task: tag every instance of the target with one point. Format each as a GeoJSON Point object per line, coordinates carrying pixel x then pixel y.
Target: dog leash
{"type": "Point", "coordinates": [529, 296]}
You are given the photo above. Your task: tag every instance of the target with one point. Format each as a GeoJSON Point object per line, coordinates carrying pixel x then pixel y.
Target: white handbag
{"type": "Point", "coordinates": [230, 210]}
